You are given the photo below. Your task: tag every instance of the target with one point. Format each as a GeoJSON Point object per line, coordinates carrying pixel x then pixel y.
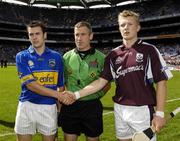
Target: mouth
{"type": "Point", "coordinates": [79, 43]}
{"type": "Point", "coordinates": [35, 42]}
{"type": "Point", "coordinates": [126, 33]}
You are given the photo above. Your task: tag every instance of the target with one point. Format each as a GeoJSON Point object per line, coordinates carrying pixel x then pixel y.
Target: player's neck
{"type": "Point", "coordinates": [129, 43]}
{"type": "Point", "coordinates": [40, 50]}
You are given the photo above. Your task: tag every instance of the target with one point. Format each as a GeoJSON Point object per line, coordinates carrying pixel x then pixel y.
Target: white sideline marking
{"type": "Point", "coordinates": [171, 100]}
{"type": "Point", "coordinates": [107, 113]}
{"type": "Point", "coordinates": [7, 134]}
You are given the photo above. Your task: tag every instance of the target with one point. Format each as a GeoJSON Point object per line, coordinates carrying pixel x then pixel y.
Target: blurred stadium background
{"type": "Point", "coordinates": [160, 21]}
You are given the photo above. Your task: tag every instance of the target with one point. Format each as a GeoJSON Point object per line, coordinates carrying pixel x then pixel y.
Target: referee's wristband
{"type": "Point", "coordinates": [77, 95]}
{"type": "Point", "coordinates": [159, 114]}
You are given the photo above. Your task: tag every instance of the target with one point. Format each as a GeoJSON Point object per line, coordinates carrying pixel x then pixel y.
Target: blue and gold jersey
{"type": "Point", "coordinates": [46, 69]}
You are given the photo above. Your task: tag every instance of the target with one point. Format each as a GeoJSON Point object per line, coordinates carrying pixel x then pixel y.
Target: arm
{"type": "Point", "coordinates": [92, 87]}
{"type": "Point", "coordinates": [161, 92]}
{"type": "Point", "coordinates": [59, 104]}
{"type": "Point", "coordinates": [62, 97]}
{"type": "Point", "coordinates": [37, 88]}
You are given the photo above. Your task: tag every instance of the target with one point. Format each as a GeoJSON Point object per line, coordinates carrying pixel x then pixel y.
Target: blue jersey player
{"type": "Point", "coordinates": [40, 70]}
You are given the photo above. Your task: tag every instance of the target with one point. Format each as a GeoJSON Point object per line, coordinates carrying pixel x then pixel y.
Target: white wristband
{"type": "Point", "coordinates": [77, 95]}
{"type": "Point", "coordinates": [159, 114]}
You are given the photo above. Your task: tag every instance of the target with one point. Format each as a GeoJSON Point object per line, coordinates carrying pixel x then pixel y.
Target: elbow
{"type": "Point", "coordinates": [101, 82]}
{"type": "Point", "coordinates": [31, 86]}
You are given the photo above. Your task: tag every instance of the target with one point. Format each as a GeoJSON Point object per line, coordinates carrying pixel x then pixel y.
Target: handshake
{"type": "Point", "coordinates": [68, 97]}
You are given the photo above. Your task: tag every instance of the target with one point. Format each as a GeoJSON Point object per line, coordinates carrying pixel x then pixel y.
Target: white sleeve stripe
{"type": "Point", "coordinates": [149, 71]}
{"type": "Point", "coordinates": [165, 69]}
{"type": "Point", "coordinates": [112, 70]}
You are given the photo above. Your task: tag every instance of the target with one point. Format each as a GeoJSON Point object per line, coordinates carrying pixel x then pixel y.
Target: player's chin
{"type": "Point", "coordinates": [36, 46]}
{"type": "Point", "coordinates": [126, 37]}
{"type": "Point", "coordinates": [80, 47]}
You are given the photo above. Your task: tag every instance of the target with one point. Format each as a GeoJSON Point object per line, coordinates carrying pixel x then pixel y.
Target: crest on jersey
{"type": "Point", "coordinates": [139, 57]}
{"type": "Point", "coordinates": [93, 64]}
{"type": "Point", "coordinates": [52, 63]}
{"type": "Point", "coordinates": [30, 63]}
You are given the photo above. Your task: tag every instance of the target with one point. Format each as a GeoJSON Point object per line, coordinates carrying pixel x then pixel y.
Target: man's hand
{"type": "Point", "coordinates": [67, 97]}
{"type": "Point", "coordinates": [158, 123]}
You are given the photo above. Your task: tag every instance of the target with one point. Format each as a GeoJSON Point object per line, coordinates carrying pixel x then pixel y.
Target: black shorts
{"type": "Point", "coordinates": [82, 117]}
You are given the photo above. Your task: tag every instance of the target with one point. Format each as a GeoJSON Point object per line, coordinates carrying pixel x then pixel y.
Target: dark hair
{"type": "Point", "coordinates": [36, 23]}
{"type": "Point", "coordinates": [84, 23]}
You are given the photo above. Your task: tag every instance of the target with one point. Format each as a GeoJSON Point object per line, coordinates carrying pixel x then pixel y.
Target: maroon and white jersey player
{"type": "Point", "coordinates": [134, 71]}
{"type": "Point", "coordinates": [135, 67]}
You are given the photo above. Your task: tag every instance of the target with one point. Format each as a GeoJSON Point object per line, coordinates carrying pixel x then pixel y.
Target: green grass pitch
{"type": "Point", "coordinates": [10, 89]}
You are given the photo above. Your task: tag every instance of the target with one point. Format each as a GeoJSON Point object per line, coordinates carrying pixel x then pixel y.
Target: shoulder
{"type": "Point", "coordinates": [115, 51]}
{"type": "Point", "coordinates": [99, 53]}
{"type": "Point", "coordinates": [22, 53]}
{"type": "Point", "coordinates": [149, 48]}
{"type": "Point", "coordinates": [69, 53]}
{"type": "Point", "coordinates": [55, 53]}
{"type": "Point", "coordinates": [148, 45]}
{"type": "Point", "coordinates": [117, 48]}
{"type": "Point", "coordinates": [22, 56]}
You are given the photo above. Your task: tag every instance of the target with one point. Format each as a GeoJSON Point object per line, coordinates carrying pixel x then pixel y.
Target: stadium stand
{"type": "Point", "coordinates": [160, 20]}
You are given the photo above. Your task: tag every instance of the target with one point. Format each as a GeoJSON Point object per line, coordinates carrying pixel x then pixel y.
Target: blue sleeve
{"type": "Point", "coordinates": [24, 71]}
{"type": "Point", "coordinates": [61, 71]}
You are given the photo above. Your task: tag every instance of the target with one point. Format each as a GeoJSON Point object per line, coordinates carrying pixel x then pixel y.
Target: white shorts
{"type": "Point", "coordinates": [32, 117]}
{"type": "Point", "coordinates": [131, 119]}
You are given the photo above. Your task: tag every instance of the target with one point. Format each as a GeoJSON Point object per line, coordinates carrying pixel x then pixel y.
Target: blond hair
{"type": "Point", "coordinates": [129, 13]}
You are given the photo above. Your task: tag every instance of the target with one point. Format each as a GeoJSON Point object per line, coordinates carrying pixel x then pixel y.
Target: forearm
{"type": "Point", "coordinates": [161, 93]}
{"type": "Point", "coordinates": [93, 87]}
{"type": "Point", "coordinates": [37, 88]}
{"type": "Point", "coordinates": [59, 104]}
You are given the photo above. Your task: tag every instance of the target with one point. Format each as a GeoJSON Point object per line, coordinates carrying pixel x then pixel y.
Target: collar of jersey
{"type": "Point", "coordinates": [138, 42]}
{"type": "Point", "coordinates": [32, 50]}
{"type": "Point", "coordinates": [90, 51]}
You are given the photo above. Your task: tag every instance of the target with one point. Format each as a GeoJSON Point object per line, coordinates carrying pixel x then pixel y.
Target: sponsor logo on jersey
{"type": "Point", "coordinates": [139, 57]}
{"type": "Point", "coordinates": [123, 72]}
{"type": "Point", "coordinates": [46, 78]}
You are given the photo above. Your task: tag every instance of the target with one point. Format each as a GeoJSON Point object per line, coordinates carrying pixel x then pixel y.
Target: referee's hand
{"type": "Point", "coordinates": [67, 98]}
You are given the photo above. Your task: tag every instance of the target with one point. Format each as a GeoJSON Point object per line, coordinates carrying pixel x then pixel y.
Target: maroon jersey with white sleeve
{"type": "Point", "coordinates": [134, 71]}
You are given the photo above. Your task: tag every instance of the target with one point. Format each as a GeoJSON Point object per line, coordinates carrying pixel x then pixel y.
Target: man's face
{"type": "Point", "coordinates": [82, 37]}
{"type": "Point", "coordinates": [128, 27]}
{"type": "Point", "coordinates": [36, 36]}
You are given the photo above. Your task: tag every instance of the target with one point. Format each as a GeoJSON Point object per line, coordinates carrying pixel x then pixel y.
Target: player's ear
{"type": "Point", "coordinates": [138, 28]}
{"type": "Point", "coordinates": [45, 35]}
{"type": "Point", "coordinates": [91, 35]}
